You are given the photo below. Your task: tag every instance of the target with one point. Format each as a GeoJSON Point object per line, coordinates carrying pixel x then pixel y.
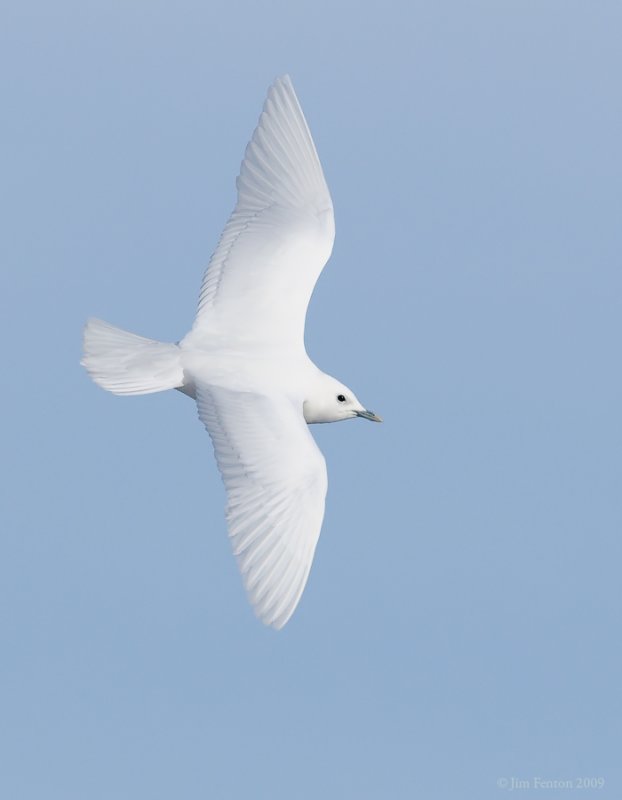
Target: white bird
{"type": "Point", "coordinates": [244, 360]}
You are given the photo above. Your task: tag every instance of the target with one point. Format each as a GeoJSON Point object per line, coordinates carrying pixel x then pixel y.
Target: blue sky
{"type": "Point", "coordinates": [462, 621]}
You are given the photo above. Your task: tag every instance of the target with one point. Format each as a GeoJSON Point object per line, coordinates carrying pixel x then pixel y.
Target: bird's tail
{"type": "Point", "coordinates": [124, 363]}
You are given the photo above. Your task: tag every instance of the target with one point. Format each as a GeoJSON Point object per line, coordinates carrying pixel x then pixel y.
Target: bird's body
{"type": "Point", "coordinates": [245, 363]}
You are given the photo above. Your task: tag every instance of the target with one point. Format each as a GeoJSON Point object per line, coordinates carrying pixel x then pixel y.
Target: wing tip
{"type": "Point", "coordinates": [284, 80]}
{"type": "Point", "coordinates": [284, 84]}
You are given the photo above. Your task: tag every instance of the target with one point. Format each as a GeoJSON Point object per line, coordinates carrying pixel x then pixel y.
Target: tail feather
{"type": "Point", "coordinates": [124, 363]}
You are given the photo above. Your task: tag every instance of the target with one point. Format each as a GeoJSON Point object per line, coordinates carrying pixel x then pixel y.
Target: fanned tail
{"type": "Point", "coordinates": [124, 363]}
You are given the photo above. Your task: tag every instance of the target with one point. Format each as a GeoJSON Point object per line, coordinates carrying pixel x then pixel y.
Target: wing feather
{"type": "Point", "coordinates": [278, 238]}
{"type": "Point", "coordinates": [275, 478]}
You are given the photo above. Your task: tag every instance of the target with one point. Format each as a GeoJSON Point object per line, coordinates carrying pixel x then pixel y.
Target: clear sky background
{"type": "Point", "coordinates": [462, 620]}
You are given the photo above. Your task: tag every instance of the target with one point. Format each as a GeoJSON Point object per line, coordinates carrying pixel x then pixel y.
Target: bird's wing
{"type": "Point", "coordinates": [260, 279]}
{"type": "Point", "coordinates": [275, 478]}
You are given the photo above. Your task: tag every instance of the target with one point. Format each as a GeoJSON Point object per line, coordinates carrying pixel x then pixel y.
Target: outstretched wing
{"type": "Point", "coordinates": [275, 477]}
{"type": "Point", "coordinates": [260, 279]}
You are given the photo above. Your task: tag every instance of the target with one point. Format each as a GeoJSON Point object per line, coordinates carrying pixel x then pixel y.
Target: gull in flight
{"type": "Point", "coordinates": [244, 360]}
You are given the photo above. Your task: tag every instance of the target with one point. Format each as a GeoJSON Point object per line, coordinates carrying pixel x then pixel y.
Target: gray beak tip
{"type": "Point", "coordinates": [369, 415]}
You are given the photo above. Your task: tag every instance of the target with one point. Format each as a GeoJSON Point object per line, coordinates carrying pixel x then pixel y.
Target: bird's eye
{"type": "Point", "coordinates": [341, 398]}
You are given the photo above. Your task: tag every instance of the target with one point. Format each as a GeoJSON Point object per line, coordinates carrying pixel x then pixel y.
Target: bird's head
{"type": "Point", "coordinates": [331, 401]}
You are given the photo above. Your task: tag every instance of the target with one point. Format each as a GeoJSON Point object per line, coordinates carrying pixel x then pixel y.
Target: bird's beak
{"type": "Point", "coordinates": [368, 415]}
